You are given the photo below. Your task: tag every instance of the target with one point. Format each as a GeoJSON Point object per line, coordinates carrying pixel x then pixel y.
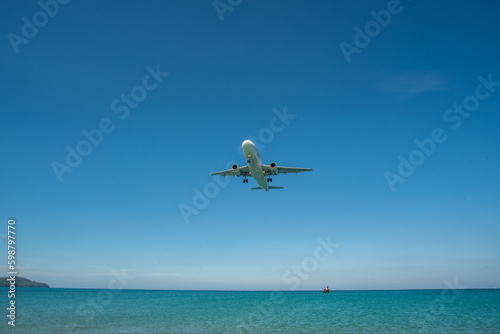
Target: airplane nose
{"type": "Point", "coordinates": [247, 143]}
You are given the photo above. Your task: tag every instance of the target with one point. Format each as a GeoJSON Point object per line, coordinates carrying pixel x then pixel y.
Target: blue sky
{"type": "Point", "coordinates": [351, 116]}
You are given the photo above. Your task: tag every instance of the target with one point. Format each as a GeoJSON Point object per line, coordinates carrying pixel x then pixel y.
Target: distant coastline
{"type": "Point", "coordinates": [22, 282]}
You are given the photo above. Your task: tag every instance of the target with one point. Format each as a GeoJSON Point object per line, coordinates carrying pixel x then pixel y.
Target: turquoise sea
{"type": "Point", "coordinates": [136, 311]}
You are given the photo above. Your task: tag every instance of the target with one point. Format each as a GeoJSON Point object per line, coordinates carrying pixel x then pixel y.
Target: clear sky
{"type": "Point", "coordinates": [395, 106]}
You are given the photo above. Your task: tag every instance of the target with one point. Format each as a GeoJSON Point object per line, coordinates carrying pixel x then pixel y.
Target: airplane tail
{"type": "Point", "coordinates": [270, 187]}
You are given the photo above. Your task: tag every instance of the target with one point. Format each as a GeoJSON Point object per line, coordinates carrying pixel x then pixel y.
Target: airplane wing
{"type": "Point", "coordinates": [230, 172]}
{"type": "Point", "coordinates": [284, 170]}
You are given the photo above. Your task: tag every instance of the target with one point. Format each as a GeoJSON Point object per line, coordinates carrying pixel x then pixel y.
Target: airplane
{"type": "Point", "coordinates": [261, 173]}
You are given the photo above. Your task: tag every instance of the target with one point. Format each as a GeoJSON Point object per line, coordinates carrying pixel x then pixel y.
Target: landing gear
{"type": "Point", "coordinates": [269, 179]}
{"type": "Point", "coordinates": [245, 180]}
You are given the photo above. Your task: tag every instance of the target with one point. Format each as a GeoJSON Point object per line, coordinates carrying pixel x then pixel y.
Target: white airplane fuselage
{"type": "Point", "coordinates": [255, 164]}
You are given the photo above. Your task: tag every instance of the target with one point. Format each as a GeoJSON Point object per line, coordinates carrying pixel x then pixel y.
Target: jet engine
{"type": "Point", "coordinates": [274, 168]}
{"type": "Point", "coordinates": [236, 169]}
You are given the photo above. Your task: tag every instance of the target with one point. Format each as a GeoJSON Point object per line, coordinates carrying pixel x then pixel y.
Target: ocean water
{"type": "Point", "coordinates": [42, 311]}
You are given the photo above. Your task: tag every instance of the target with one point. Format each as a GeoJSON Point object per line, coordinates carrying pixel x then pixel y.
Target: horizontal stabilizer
{"type": "Point", "coordinates": [270, 187]}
